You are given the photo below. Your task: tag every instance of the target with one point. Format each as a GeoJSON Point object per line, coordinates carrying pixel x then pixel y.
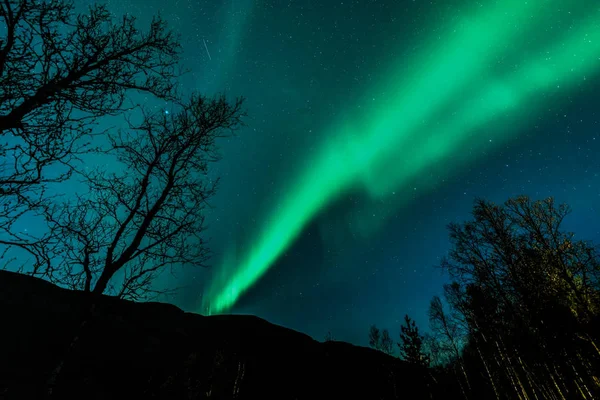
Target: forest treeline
{"type": "Point", "coordinates": [520, 318]}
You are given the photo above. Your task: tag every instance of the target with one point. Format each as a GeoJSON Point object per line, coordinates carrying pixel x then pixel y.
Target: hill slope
{"type": "Point", "coordinates": [155, 350]}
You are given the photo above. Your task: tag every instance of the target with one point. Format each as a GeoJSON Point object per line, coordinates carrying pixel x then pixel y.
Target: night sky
{"type": "Point", "coordinates": [372, 125]}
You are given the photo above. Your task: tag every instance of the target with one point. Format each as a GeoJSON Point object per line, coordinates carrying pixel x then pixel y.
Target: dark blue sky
{"type": "Point", "coordinates": [302, 65]}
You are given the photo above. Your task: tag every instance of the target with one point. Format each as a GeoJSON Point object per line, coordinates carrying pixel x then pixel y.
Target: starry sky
{"type": "Point", "coordinates": [372, 125]}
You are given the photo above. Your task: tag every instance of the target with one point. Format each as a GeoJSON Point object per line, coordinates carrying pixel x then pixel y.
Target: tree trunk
{"type": "Point", "coordinates": [102, 282]}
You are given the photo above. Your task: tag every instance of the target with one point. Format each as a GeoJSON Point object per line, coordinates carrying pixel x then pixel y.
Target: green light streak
{"type": "Point", "coordinates": [361, 150]}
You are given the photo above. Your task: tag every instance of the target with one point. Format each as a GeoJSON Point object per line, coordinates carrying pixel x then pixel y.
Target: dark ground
{"type": "Point", "coordinates": [155, 350]}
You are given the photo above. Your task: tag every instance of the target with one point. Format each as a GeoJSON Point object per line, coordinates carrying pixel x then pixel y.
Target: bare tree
{"type": "Point", "coordinates": [528, 294]}
{"type": "Point", "coordinates": [381, 340]}
{"type": "Point", "coordinates": [150, 216]}
{"type": "Point", "coordinates": [387, 344]}
{"type": "Point", "coordinates": [450, 336]}
{"type": "Point", "coordinates": [59, 73]}
{"type": "Point", "coordinates": [447, 329]}
{"type": "Point", "coordinates": [375, 337]}
{"type": "Point", "coordinates": [328, 337]}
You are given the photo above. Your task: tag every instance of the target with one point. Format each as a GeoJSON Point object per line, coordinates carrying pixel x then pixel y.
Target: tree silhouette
{"type": "Point", "coordinates": [523, 307]}
{"type": "Point", "coordinates": [446, 328]}
{"type": "Point", "coordinates": [448, 338]}
{"type": "Point", "coordinates": [381, 340]}
{"type": "Point", "coordinates": [375, 337]}
{"type": "Point", "coordinates": [151, 215]}
{"type": "Point", "coordinates": [59, 73]}
{"type": "Point", "coordinates": [526, 296]}
{"type": "Point", "coordinates": [411, 343]}
{"type": "Point", "coordinates": [387, 344]}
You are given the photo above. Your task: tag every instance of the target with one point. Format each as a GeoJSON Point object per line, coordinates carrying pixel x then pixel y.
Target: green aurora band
{"type": "Point", "coordinates": [360, 150]}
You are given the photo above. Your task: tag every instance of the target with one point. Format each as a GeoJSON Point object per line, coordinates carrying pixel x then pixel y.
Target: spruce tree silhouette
{"type": "Point", "coordinates": [411, 344]}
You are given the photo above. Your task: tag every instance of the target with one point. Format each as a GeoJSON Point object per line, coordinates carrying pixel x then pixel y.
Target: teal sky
{"type": "Point", "coordinates": [372, 125]}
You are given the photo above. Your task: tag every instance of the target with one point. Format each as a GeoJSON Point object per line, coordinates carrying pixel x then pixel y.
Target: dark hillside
{"type": "Point", "coordinates": [155, 350]}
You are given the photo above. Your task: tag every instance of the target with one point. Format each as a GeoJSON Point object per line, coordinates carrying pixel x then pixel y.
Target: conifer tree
{"type": "Point", "coordinates": [411, 343]}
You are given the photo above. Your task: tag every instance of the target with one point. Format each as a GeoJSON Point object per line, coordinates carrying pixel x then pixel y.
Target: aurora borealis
{"type": "Point", "coordinates": [357, 153]}
{"type": "Point", "coordinates": [372, 125]}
